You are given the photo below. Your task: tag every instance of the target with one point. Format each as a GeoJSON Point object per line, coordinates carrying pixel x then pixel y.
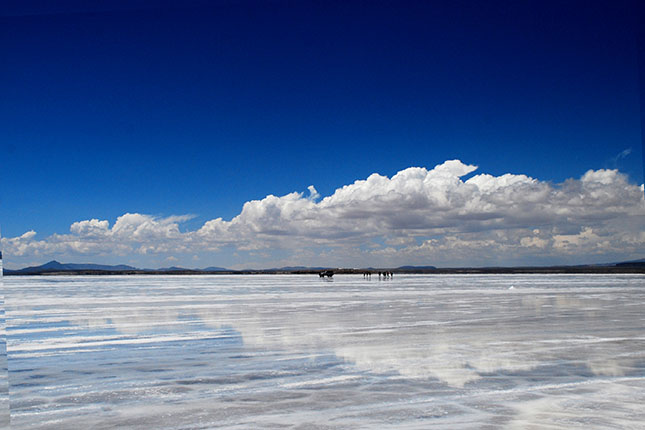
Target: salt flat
{"type": "Point", "coordinates": [290, 351]}
{"type": "Point", "coordinates": [4, 380]}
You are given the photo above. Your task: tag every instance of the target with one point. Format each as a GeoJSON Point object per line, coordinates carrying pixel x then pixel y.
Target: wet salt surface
{"type": "Point", "coordinates": [267, 352]}
{"type": "Point", "coordinates": [4, 381]}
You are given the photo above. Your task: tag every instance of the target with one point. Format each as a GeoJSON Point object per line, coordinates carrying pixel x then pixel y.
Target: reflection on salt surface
{"type": "Point", "coordinates": [268, 351]}
{"type": "Point", "coordinates": [4, 386]}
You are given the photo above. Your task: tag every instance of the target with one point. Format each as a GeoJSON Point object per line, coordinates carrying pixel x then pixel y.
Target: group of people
{"type": "Point", "coordinates": [380, 274]}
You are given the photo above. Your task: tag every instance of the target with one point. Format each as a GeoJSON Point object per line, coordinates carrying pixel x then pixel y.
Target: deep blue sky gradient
{"type": "Point", "coordinates": [159, 109]}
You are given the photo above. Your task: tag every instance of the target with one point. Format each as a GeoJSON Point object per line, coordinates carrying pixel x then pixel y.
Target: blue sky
{"type": "Point", "coordinates": [192, 109]}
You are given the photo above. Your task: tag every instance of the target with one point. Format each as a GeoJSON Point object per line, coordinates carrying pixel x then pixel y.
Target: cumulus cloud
{"type": "Point", "coordinates": [89, 228]}
{"type": "Point", "coordinates": [313, 193]}
{"type": "Point", "coordinates": [416, 214]}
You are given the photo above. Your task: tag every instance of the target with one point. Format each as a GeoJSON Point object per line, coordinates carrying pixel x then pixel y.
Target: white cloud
{"type": "Point", "coordinates": [313, 193]}
{"type": "Point", "coordinates": [622, 154]}
{"type": "Point", "coordinates": [92, 227]}
{"type": "Point", "coordinates": [418, 214]}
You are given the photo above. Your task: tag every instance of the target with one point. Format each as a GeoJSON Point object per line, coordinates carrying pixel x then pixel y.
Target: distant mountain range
{"type": "Point", "coordinates": [640, 262]}
{"type": "Point", "coordinates": [183, 269]}
{"type": "Point", "coordinates": [54, 267]}
{"type": "Point", "coordinates": [295, 268]}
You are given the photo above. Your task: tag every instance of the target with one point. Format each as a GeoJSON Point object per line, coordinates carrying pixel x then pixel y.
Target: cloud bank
{"type": "Point", "coordinates": [417, 216]}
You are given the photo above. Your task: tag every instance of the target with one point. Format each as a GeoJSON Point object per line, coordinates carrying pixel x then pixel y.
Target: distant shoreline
{"type": "Point", "coordinates": [618, 269]}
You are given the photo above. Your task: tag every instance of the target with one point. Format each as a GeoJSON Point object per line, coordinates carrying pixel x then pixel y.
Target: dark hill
{"type": "Point", "coordinates": [55, 266]}
{"type": "Point", "coordinates": [173, 269]}
{"type": "Point", "coordinates": [633, 263]}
